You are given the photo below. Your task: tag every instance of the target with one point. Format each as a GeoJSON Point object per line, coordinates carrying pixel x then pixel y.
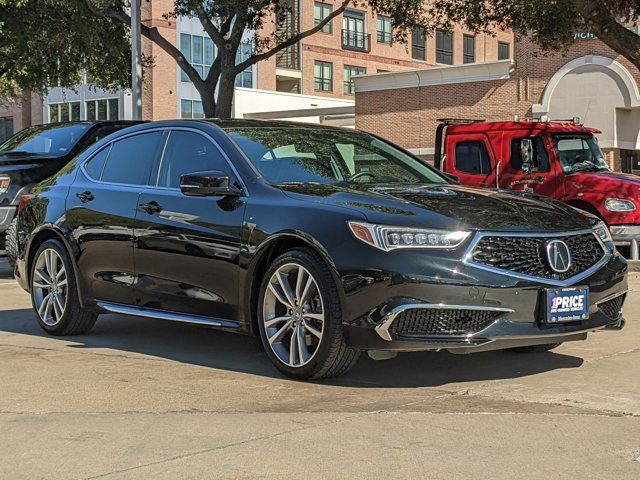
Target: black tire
{"type": "Point", "coordinates": [332, 357]}
{"type": "Point", "coordinates": [75, 320]}
{"type": "Point", "coordinates": [11, 244]}
{"type": "Point", "coordinates": [535, 348]}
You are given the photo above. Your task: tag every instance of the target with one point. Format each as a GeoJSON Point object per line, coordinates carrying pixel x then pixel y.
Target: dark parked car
{"type": "Point", "coordinates": [36, 153]}
{"type": "Point", "coordinates": [324, 242]}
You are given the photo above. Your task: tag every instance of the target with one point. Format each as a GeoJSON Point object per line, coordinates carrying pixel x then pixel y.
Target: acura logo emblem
{"type": "Point", "coordinates": [559, 256]}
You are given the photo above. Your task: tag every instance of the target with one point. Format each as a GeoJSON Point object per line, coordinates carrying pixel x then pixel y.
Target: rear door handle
{"type": "Point", "coordinates": [151, 208]}
{"type": "Point", "coordinates": [85, 196]}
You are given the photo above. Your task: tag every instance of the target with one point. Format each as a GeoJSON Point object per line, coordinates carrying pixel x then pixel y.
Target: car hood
{"type": "Point", "coordinates": [446, 207]}
{"type": "Point", "coordinates": [606, 182]}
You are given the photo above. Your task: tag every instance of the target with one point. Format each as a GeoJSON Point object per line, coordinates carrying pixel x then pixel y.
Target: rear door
{"type": "Point", "coordinates": [471, 158]}
{"type": "Point", "coordinates": [188, 248]}
{"type": "Point", "coordinates": [101, 207]}
{"type": "Point", "coordinates": [542, 179]}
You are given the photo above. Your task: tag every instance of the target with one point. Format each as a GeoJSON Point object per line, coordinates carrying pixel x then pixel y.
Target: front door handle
{"type": "Point", "coordinates": [151, 208]}
{"type": "Point", "coordinates": [85, 196]}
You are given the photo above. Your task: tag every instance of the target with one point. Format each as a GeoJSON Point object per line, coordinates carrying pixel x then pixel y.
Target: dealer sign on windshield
{"type": "Point", "coordinates": [567, 305]}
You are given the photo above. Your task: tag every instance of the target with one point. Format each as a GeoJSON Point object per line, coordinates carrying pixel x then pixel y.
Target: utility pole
{"type": "Point", "coordinates": [136, 61]}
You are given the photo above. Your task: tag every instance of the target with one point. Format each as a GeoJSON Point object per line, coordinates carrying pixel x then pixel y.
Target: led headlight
{"type": "Point", "coordinates": [390, 238]}
{"type": "Point", "coordinates": [4, 184]}
{"type": "Point", "coordinates": [619, 205]}
{"type": "Point", "coordinates": [603, 232]}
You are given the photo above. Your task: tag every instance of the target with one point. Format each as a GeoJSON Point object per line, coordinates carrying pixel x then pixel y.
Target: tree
{"type": "Point", "coordinates": [45, 43]}
{"type": "Point", "coordinates": [550, 23]}
{"type": "Point", "coordinates": [51, 42]}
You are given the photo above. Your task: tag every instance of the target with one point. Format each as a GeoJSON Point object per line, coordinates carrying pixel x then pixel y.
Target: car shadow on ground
{"type": "Point", "coordinates": [228, 351]}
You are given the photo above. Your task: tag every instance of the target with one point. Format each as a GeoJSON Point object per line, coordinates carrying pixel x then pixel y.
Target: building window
{"type": "Point", "coordinates": [244, 78]}
{"type": "Point", "coordinates": [199, 52]}
{"type": "Point", "coordinates": [320, 12]}
{"type": "Point", "coordinates": [191, 109]}
{"type": "Point", "coordinates": [384, 30]}
{"type": "Point", "coordinates": [349, 73]}
{"type": "Point", "coordinates": [468, 49]}
{"type": "Point", "coordinates": [472, 158]}
{"type": "Point", "coordinates": [503, 51]}
{"type": "Point", "coordinates": [323, 76]}
{"type": "Point", "coordinates": [418, 43]}
{"type": "Point", "coordinates": [64, 112]}
{"type": "Point", "coordinates": [106, 109]}
{"type": "Point", "coordinates": [6, 128]}
{"type": "Point", "coordinates": [354, 36]}
{"type": "Point", "coordinates": [444, 48]}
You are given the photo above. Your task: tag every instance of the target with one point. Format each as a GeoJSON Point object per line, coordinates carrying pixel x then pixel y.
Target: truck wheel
{"type": "Point", "coordinates": [54, 293]}
{"type": "Point", "coordinates": [300, 318]}
{"type": "Point", "coordinates": [535, 348]}
{"type": "Point", "coordinates": [11, 243]}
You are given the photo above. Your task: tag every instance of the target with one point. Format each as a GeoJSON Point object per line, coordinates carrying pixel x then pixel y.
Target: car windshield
{"type": "Point", "coordinates": [318, 155]}
{"type": "Point", "coordinates": [580, 153]}
{"type": "Point", "coordinates": [50, 140]}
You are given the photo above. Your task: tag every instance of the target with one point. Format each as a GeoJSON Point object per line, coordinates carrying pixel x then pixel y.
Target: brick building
{"type": "Point", "coordinates": [588, 81]}
{"type": "Point", "coordinates": [315, 74]}
{"type": "Point", "coordinates": [18, 114]}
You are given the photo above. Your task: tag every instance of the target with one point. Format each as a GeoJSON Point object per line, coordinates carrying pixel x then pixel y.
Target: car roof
{"type": "Point", "coordinates": [551, 127]}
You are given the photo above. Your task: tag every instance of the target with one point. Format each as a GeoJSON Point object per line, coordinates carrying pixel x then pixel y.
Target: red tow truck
{"type": "Point", "coordinates": [561, 160]}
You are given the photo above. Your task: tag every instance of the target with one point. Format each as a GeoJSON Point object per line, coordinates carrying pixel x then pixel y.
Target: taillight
{"type": "Point", "coordinates": [23, 201]}
{"type": "Point", "coordinates": [4, 184]}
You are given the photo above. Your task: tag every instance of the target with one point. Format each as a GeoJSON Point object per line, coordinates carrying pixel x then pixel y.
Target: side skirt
{"type": "Point", "coordinates": [172, 316]}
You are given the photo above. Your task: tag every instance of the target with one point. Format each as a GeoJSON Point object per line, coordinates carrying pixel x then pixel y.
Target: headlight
{"type": "Point", "coordinates": [389, 238]}
{"type": "Point", "coordinates": [603, 232]}
{"type": "Point", "coordinates": [4, 184]}
{"type": "Point", "coordinates": [619, 205]}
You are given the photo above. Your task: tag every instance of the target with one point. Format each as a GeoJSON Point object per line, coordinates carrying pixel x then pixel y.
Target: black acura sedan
{"type": "Point", "coordinates": [324, 242]}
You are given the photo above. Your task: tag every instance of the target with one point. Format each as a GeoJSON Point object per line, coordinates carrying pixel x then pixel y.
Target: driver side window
{"type": "Point", "coordinates": [540, 156]}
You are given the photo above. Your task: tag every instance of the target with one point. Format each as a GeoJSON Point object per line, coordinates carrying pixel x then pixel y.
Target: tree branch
{"type": "Point", "coordinates": [600, 21]}
{"type": "Point", "coordinates": [210, 28]}
{"type": "Point", "coordinates": [152, 34]}
{"type": "Point", "coordinates": [291, 41]}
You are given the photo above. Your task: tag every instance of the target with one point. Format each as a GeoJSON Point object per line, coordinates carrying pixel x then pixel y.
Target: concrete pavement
{"type": "Point", "coordinates": [139, 398]}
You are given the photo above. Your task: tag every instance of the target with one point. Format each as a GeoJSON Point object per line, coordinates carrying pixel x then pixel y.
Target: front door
{"type": "Point", "coordinates": [542, 179]}
{"type": "Point", "coordinates": [101, 207]}
{"type": "Point", "coordinates": [187, 248]}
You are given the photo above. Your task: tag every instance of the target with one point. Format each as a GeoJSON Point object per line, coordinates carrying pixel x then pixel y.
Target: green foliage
{"type": "Point", "coordinates": [46, 43]}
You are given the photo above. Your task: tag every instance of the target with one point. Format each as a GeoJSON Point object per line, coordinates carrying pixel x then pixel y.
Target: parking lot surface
{"type": "Point", "coordinates": [140, 398]}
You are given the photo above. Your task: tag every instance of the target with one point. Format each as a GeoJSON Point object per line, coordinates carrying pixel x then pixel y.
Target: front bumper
{"type": "Point", "coordinates": [6, 217]}
{"type": "Point", "coordinates": [515, 315]}
{"type": "Point", "coordinates": [627, 236]}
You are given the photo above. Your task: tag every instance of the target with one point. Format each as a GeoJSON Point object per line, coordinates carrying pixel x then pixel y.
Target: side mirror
{"type": "Point", "coordinates": [452, 178]}
{"type": "Point", "coordinates": [207, 184]}
{"type": "Point", "coordinates": [526, 152]}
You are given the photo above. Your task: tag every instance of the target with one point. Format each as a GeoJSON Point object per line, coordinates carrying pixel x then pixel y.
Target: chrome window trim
{"type": "Point", "coordinates": [383, 327]}
{"type": "Point", "coordinates": [90, 178]}
{"type": "Point", "coordinates": [467, 260]}
{"type": "Point", "coordinates": [245, 191]}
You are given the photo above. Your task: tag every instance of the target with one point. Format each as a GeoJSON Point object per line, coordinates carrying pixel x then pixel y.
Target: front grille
{"type": "Point", "coordinates": [527, 255]}
{"type": "Point", "coordinates": [441, 321]}
{"type": "Point", "coordinates": [612, 308]}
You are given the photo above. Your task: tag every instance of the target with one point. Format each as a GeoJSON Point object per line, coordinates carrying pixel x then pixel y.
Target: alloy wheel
{"type": "Point", "coordinates": [293, 315]}
{"type": "Point", "coordinates": [50, 287]}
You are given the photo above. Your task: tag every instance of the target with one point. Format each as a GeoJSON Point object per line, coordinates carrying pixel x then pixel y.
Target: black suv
{"type": "Point", "coordinates": [36, 153]}
{"type": "Point", "coordinates": [324, 242]}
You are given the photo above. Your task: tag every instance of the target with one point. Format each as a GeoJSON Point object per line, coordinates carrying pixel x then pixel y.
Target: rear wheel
{"type": "Point", "coordinates": [54, 293]}
{"type": "Point", "coordinates": [535, 348]}
{"type": "Point", "coordinates": [300, 318]}
{"type": "Point", "coordinates": [11, 243]}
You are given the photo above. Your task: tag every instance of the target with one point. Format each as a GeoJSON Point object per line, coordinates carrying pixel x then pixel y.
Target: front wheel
{"type": "Point", "coordinates": [300, 318]}
{"type": "Point", "coordinates": [11, 244]}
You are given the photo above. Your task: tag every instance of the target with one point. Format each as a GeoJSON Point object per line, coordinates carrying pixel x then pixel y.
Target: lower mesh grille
{"type": "Point", "coordinates": [440, 321]}
{"type": "Point", "coordinates": [612, 308]}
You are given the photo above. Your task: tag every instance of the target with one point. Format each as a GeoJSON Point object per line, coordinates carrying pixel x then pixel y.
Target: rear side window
{"type": "Point", "coordinates": [94, 166]}
{"type": "Point", "coordinates": [472, 157]}
{"type": "Point", "coordinates": [131, 159]}
{"type": "Point", "coordinates": [188, 152]}
{"type": "Point", "coordinates": [541, 159]}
